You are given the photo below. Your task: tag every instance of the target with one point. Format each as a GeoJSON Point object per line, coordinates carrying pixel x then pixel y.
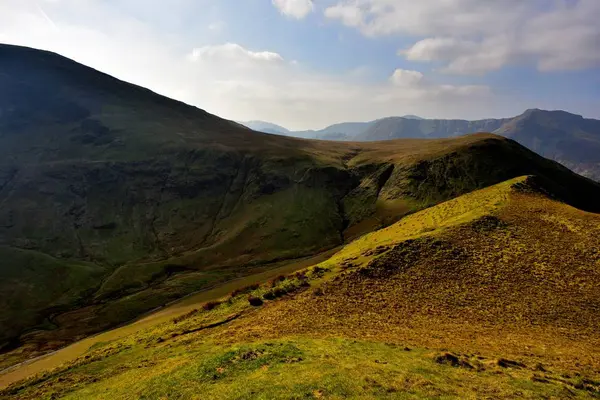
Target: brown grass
{"type": "Point", "coordinates": [211, 305]}
{"type": "Point", "coordinates": [522, 283]}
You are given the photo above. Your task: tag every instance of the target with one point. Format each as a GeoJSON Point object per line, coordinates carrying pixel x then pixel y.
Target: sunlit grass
{"type": "Point", "coordinates": [470, 280]}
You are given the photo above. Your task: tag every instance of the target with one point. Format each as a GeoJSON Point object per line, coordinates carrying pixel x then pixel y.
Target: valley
{"type": "Point", "coordinates": [150, 249]}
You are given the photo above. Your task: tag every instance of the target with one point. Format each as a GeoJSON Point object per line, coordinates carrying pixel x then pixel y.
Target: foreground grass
{"type": "Point", "coordinates": [297, 368]}
{"type": "Point", "coordinates": [305, 368]}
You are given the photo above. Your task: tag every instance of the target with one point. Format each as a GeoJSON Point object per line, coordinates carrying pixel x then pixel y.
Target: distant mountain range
{"type": "Point", "coordinates": [567, 138]}
{"type": "Point", "coordinates": [343, 131]}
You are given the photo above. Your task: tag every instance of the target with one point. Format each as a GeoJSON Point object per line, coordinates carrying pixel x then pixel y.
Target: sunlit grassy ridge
{"type": "Point", "coordinates": [450, 213]}
{"type": "Point", "coordinates": [490, 295]}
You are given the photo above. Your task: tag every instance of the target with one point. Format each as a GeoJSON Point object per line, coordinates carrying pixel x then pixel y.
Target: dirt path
{"type": "Point", "coordinates": [71, 352]}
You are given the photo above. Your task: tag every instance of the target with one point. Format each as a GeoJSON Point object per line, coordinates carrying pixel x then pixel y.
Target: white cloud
{"type": "Point", "coordinates": [294, 8]}
{"type": "Point", "coordinates": [439, 48]}
{"type": "Point", "coordinates": [414, 85]}
{"type": "Point", "coordinates": [349, 14]}
{"type": "Point", "coordinates": [403, 77]}
{"type": "Point", "coordinates": [475, 37]}
{"type": "Point", "coordinates": [464, 56]}
{"type": "Point", "coordinates": [232, 52]}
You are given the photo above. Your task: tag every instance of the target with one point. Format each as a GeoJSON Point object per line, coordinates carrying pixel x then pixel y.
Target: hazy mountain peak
{"type": "Point", "coordinates": [263, 126]}
{"type": "Point", "coordinates": [411, 116]}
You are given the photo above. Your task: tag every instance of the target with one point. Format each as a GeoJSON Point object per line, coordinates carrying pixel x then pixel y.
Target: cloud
{"type": "Point", "coordinates": [294, 8]}
{"type": "Point", "coordinates": [349, 14]}
{"type": "Point", "coordinates": [403, 77]}
{"type": "Point", "coordinates": [475, 37]}
{"type": "Point", "coordinates": [407, 84]}
{"type": "Point", "coordinates": [232, 52]}
{"type": "Point", "coordinates": [464, 56]}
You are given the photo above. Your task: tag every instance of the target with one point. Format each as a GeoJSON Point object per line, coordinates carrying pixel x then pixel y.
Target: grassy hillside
{"type": "Point", "coordinates": [420, 309]}
{"type": "Point", "coordinates": [132, 200]}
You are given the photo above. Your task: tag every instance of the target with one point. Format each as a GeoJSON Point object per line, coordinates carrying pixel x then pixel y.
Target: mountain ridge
{"type": "Point", "coordinates": [339, 131]}
{"type": "Point", "coordinates": [136, 200]}
{"type": "Point", "coordinates": [568, 138]}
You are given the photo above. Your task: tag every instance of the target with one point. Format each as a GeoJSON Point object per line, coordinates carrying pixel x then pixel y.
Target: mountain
{"type": "Point", "coordinates": [344, 130]}
{"type": "Point", "coordinates": [341, 132]}
{"type": "Point", "coordinates": [266, 127]}
{"type": "Point", "coordinates": [116, 201]}
{"type": "Point", "coordinates": [570, 139]}
{"type": "Point", "coordinates": [492, 294]}
{"type": "Point", "coordinates": [410, 116]}
{"type": "Point", "coordinates": [347, 129]}
{"type": "Point", "coordinates": [398, 127]}
{"type": "Point", "coordinates": [567, 138]}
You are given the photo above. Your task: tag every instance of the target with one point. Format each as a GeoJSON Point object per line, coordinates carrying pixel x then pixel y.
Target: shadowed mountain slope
{"type": "Point", "coordinates": [115, 200]}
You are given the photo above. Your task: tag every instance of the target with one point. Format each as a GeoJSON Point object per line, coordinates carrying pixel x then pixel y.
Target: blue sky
{"type": "Point", "coordinates": [306, 64]}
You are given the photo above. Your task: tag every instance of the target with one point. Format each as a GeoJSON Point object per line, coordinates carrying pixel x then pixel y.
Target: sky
{"type": "Point", "coordinates": [307, 64]}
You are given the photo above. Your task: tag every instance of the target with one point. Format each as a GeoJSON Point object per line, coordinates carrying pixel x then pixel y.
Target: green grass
{"type": "Point", "coordinates": [31, 282]}
{"type": "Point", "coordinates": [117, 193]}
{"type": "Point", "coordinates": [293, 368]}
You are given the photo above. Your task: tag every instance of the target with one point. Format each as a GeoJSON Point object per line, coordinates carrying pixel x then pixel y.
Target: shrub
{"type": "Point", "coordinates": [255, 301]}
{"type": "Point", "coordinates": [279, 292]}
{"type": "Point", "coordinates": [318, 272]}
{"type": "Point", "coordinates": [304, 283]}
{"type": "Point", "coordinates": [273, 282]}
{"type": "Point", "coordinates": [269, 295]}
{"type": "Point", "coordinates": [211, 305]}
{"type": "Point", "coordinates": [301, 275]}
{"type": "Point", "coordinates": [245, 289]}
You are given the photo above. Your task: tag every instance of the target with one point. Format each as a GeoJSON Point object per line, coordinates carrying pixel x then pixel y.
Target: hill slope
{"type": "Point", "coordinates": [135, 200]}
{"type": "Point", "coordinates": [420, 309]}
